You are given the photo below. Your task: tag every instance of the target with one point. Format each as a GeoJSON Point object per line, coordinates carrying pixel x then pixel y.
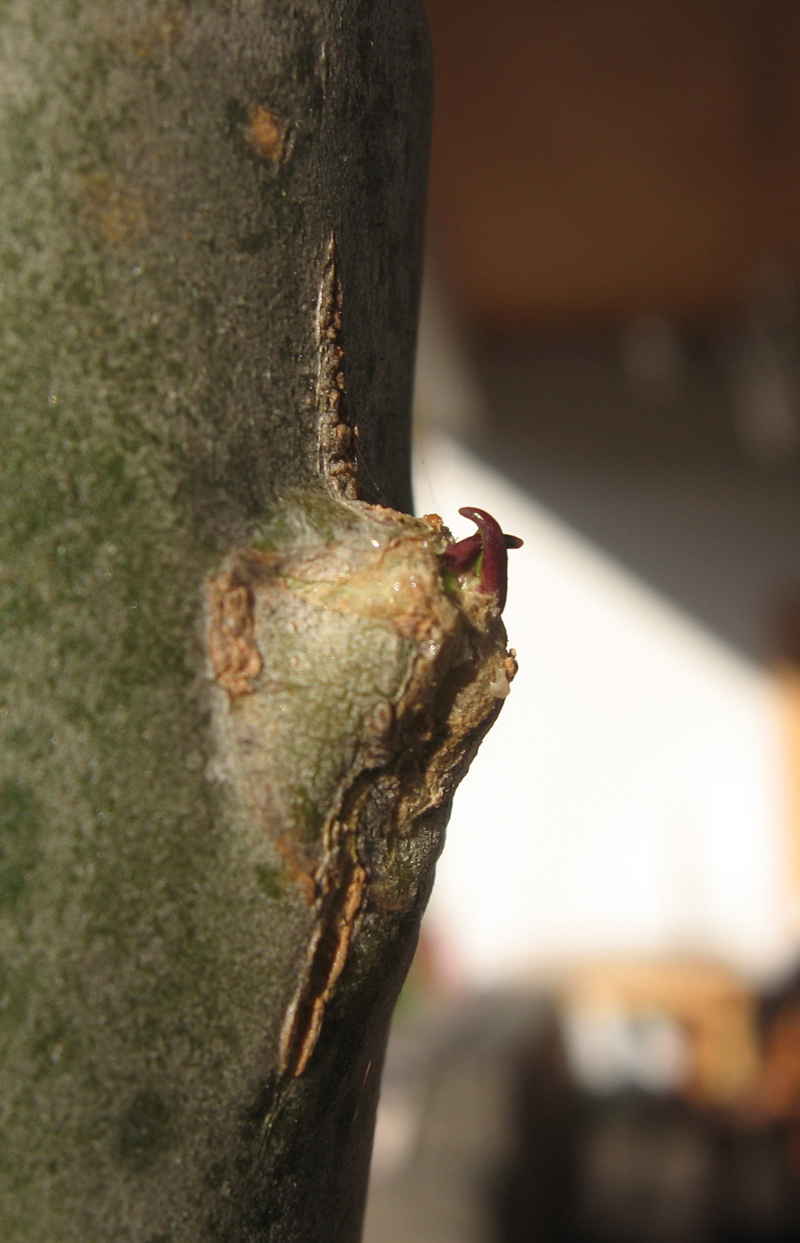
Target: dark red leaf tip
{"type": "Point", "coordinates": [493, 544]}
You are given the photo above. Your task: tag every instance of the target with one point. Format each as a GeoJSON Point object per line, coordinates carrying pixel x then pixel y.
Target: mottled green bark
{"type": "Point", "coordinates": [172, 174]}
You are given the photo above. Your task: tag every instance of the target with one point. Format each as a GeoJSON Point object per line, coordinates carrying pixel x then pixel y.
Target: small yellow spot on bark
{"type": "Point", "coordinates": [264, 132]}
{"type": "Point", "coordinates": [116, 209]}
{"type": "Point", "coordinates": [150, 38]}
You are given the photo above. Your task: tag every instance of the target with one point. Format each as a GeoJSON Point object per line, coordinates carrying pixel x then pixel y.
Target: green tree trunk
{"type": "Point", "coordinates": [234, 698]}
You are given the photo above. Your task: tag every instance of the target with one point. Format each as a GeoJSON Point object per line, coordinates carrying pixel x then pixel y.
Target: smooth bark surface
{"type": "Point", "coordinates": [233, 699]}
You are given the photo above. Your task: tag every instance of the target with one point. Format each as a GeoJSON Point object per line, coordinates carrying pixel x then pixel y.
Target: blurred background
{"type": "Point", "coordinates": [600, 1037]}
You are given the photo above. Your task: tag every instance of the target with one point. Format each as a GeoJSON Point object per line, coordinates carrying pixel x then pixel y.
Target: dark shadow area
{"type": "Point", "coordinates": [632, 439]}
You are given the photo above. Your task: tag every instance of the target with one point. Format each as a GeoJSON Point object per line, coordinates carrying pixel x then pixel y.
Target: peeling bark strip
{"type": "Point", "coordinates": [337, 439]}
{"type": "Point", "coordinates": [327, 953]}
{"type": "Point", "coordinates": [356, 644]}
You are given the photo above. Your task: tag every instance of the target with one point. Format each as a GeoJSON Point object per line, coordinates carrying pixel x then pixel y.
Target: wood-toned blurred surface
{"type": "Point", "coordinates": [598, 159]}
